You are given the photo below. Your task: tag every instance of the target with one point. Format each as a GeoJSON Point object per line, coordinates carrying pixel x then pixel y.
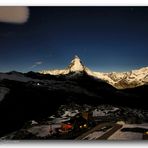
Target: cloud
{"type": "Point", "coordinates": [36, 64]}
{"type": "Point", "coordinates": [14, 14]}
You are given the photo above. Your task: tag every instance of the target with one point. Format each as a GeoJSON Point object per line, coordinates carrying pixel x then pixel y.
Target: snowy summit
{"type": "Point", "coordinates": [76, 65]}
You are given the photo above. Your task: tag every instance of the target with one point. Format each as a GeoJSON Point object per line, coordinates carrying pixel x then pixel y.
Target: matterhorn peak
{"type": "Point", "coordinates": [76, 65]}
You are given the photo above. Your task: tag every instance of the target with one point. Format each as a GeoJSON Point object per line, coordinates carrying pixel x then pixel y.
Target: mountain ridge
{"type": "Point", "coordinates": [119, 80]}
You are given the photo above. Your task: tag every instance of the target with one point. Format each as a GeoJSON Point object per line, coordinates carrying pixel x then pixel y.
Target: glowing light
{"type": "Point", "coordinates": [146, 132]}
{"type": "Point", "coordinates": [85, 125]}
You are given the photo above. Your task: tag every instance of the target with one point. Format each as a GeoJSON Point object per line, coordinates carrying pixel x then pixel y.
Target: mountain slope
{"type": "Point", "coordinates": [119, 80]}
{"type": "Point", "coordinates": [16, 76]}
{"type": "Point", "coordinates": [122, 80]}
{"type": "Point", "coordinates": [23, 101]}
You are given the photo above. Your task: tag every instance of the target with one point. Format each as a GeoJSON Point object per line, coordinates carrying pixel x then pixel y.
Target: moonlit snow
{"type": "Point", "coordinates": [119, 80]}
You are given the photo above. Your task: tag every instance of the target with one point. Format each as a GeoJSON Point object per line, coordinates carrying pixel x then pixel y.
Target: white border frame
{"type": "Point", "coordinates": [74, 2]}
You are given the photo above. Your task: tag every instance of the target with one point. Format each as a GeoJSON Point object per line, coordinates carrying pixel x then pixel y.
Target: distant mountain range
{"type": "Point", "coordinates": [119, 80]}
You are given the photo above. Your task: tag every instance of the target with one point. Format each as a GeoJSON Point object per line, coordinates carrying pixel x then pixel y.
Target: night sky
{"type": "Point", "coordinates": [105, 38]}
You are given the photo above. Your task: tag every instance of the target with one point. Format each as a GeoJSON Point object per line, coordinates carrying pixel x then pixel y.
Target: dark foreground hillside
{"type": "Point", "coordinates": [37, 100]}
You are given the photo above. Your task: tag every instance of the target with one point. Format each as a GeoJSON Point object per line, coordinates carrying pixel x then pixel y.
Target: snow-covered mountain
{"type": "Point", "coordinates": [119, 80]}
{"type": "Point", "coordinates": [76, 66]}
{"type": "Point", "coordinates": [129, 79]}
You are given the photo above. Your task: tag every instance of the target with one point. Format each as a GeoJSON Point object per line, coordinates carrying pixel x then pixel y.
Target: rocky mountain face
{"type": "Point", "coordinates": [75, 66]}
{"type": "Point", "coordinates": [123, 80]}
{"type": "Point", "coordinates": [119, 80]}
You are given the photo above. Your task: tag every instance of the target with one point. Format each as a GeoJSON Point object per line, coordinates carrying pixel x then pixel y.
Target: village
{"type": "Point", "coordinates": [86, 123]}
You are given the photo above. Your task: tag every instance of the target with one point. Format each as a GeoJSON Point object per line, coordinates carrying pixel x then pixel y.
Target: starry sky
{"type": "Point", "coordinates": [105, 38]}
